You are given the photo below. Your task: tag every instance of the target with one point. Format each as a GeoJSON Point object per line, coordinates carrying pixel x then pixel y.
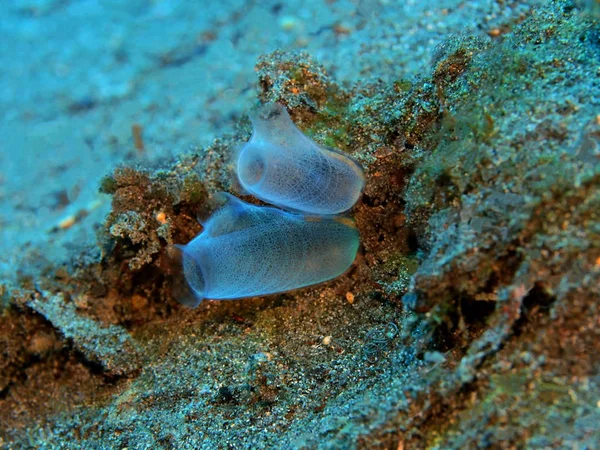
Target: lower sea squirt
{"type": "Point", "coordinates": [246, 250]}
{"type": "Point", "coordinates": [282, 166]}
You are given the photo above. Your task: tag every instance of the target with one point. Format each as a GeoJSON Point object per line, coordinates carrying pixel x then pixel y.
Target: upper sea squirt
{"type": "Point", "coordinates": [282, 166]}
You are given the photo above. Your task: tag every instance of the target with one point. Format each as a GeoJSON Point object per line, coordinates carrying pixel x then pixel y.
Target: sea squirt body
{"type": "Point", "coordinates": [246, 250]}
{"type": "Point", "coordinates": [282, 166]}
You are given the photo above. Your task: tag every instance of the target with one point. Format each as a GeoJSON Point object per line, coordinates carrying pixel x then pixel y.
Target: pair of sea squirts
{"type": "Point", "coordinates": [247, 250]}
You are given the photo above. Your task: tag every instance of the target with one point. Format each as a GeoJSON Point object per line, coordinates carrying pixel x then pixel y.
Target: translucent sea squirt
{"type": "Point", "coordinates": [282, 166]}
{"type": "Point", "coordinates": [246, 250]}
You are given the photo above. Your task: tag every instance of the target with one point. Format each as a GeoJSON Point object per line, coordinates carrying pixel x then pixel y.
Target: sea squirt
{"type": "Point", "coordinates": [247, 250]}
{"type": "Point", "coordinates": [282, 166]}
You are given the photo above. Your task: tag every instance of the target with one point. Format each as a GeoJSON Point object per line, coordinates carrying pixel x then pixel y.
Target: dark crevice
{"type": "Point", "coordinates": [476, 312]}
{"type": "Point", "coordinates": [94, 367]}
{"type": "Point", "coordinates": [535, 304]}
{"type": "Point", "coordinates": [368, 200]}
{"type": "Point", "coordinates": [4, 392]}
{"type": "Point", "coordinates": [467, 320]}
{"type": "Point", "coordinates": [412, 242]}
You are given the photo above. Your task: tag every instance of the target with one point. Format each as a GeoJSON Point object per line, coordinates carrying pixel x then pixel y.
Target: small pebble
{"type": "Point", "coordinates": [161, 217]}
{"type": "Point", "coordinates": [350, 297]}
{"type": "Point", "coordinates": [288, 23]}
{"type": "Point", "coordinates": [67, 222]}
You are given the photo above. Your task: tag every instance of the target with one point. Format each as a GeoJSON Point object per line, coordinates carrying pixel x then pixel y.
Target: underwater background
{"type": "Point", "coordinates": [469, 319]}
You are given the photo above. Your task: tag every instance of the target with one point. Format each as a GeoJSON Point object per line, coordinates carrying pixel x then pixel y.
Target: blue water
{"type": "Point", "coordinates": [77, 75]}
